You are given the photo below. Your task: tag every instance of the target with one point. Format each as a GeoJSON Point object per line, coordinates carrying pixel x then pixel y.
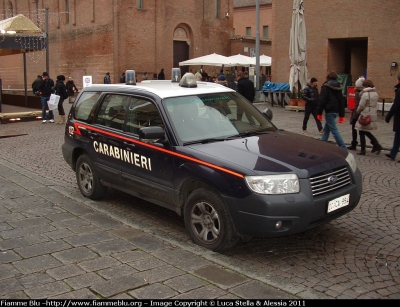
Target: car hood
{"type": "Point", "coordinates": [277, 152]}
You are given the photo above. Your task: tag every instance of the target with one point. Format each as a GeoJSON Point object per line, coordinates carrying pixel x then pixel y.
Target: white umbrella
{"type": "Point", "coordinates": [241, 60]}
{"type": "Point", "coordinates": [209, 60]}
{"type": "Point", "coordinates": [297, 49]}
{"type": "Point", "coordinates": [265, 60]}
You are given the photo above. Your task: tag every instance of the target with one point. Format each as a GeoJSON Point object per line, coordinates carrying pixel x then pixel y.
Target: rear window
{"type": "Point", "coordinates": [85, 107]}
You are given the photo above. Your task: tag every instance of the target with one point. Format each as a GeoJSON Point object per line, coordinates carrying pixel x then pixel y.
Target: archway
{"type": "Point", "coordinates": [181, 43]}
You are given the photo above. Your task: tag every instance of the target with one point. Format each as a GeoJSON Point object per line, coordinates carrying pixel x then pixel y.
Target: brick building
{"type": "Point", "coordinates": [354, 37]}
{"type": "Point", "coordinates": [243, 40]}
{"type": "Point", "coordinates": [92, 37]}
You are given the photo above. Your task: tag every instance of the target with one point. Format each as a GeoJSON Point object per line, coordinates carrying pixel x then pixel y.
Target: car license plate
{"type": "Point", "coordinates": [338, 202]}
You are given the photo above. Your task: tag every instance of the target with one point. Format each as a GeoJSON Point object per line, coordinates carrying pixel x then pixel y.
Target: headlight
{"type": "Point", "coordinates": [274, 184]}
{"type": "Point", "coordinates": [352, 162]}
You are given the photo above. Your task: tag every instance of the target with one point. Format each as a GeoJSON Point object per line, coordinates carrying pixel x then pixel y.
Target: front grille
{"type": "Point", "coordinates": [325, 182]}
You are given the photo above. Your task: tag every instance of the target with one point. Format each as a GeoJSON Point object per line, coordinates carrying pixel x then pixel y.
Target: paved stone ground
{"type": "Point", "coordinates": [56, 244]}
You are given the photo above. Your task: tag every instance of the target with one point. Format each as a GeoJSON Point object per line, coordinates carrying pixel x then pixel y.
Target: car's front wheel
{"type": "Point", "coordinates": [88, 180]}
{"type": "Point", "coordinates": [208, 221]}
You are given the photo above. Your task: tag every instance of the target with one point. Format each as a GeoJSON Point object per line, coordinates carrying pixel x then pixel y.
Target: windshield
{"type": "Point", "coordinates": [215, 116]}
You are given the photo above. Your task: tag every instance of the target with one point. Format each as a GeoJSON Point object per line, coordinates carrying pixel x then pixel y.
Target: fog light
{"type": "Point", "coordinates": [278, 224]}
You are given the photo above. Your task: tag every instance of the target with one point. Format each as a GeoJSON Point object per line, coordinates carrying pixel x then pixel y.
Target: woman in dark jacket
{"type": "Point", "coordinates": [61, 90]}
{"type": "Point", "coordinates": [395, 112]}
{"type": "Point", "coordinates": [70, 90]}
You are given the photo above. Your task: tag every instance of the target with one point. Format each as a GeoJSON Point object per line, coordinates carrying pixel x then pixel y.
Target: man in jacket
{"type": "Point", "coordinates": [122, 79]}
{"type": "Point", "coordinates": [331, 101]}
{"type": "Point", "coordinates": [107, 78]}
{"type": "Point", "coordinates": [310, 95]}
{"type": "Point", "coordinates": [395, 112]}
{"type": "Point", "coordinates": [46, 88]}
{"type": "Point", "coordinates": [35, 85]}
{"type": "Point", "coordinates": [245, 87]}
{"type": "Point", "coordinates": [161, 75]}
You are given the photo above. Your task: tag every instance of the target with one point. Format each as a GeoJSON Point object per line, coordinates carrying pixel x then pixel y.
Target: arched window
{"type": "Point", "coordinates": [10, 9]}
{"type": "Point", "coordinates": [67, 11]}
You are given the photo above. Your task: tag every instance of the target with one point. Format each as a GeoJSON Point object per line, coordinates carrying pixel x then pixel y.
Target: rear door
{"type": "Point", "coordinates": [105, 136]}
{"type": "Point", "coordinates": [149, 171]}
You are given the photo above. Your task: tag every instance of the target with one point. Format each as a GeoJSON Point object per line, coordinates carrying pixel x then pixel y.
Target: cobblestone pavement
{"type": "Point", "coordinates": [54, 243]}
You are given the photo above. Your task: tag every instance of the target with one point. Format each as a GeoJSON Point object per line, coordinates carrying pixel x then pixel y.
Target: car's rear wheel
{"type": "Point", "coordinates": [88, 180]}
{"type": "Point", "coordinates": [208, 221]}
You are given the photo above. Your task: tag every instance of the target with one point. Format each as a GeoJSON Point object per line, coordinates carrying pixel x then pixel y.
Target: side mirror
{"type": "Point", "coordinates": [151, 134]}
{"type": "Point", "coordinates": [268, 113]}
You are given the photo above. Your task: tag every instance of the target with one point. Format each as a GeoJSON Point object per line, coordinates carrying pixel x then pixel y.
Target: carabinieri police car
{"type": "Point", "coordinates": [205, 152]}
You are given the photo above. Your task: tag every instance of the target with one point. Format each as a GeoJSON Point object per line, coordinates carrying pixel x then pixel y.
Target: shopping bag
{"type": "Point", "coordinates": [53, 102]}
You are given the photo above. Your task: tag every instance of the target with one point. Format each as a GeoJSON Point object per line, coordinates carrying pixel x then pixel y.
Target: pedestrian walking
{"type": "Point", "coordinates": [354, 115]}
{"type": "Point", "coordinates": [107, 78]}
{"type": "Point", "coordinates": [61, 90]}
{"type": "Point", "coordinates": [368, 106]}
{"type": "Point", "coordinates": [145, 76]}
{"type": "Point", "coordinates": [71, 89]}
{"type": "Point", "coordinates": [395, 113]}
{"type": "Point", "coordinates": [161, 75]}
{"type": "Point", "coordinates": [331, 101]}
{"type": "Point", "coordinates": [46, 88]}
{"type": "Point", "coordinates": [154, 76]}
{"type": "Point", "coordinates": [310, 95]}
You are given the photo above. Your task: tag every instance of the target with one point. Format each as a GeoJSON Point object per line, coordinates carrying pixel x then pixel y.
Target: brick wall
{"type": "Point", "coordinates": [113, 35]}
{"type": "Point", "coordinates": [376, 22]}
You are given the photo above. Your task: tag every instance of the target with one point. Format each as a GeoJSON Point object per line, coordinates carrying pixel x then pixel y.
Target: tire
{"type": "Point", "coordinates": [88, 180]}
{"type": "Point", "coordinates": [208, 221]}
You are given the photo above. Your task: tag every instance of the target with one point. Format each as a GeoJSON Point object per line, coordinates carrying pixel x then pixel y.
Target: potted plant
{"type": "Point", "coordinates": [300, 101]}
{"type": "Point", "coordinates": [293, 98]}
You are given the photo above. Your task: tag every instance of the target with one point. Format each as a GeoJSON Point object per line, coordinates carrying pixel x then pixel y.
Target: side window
{"type": "Point", "coordinates": [142, 113]}
{"type": "Point", "coordinates": [86, 106]}
{"type": "Point", "coordinates": [113, 110]}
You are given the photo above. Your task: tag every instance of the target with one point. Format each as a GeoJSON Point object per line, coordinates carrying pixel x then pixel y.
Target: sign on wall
{"type": "Point", "coordinates": [87, 80]}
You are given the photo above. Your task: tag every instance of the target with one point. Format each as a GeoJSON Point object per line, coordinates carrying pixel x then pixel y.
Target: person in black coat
{"type": "Point", "coordinates": [161, 75]}
{"type": "Point", "coordinates": [45, 89]}
{"type": "Point", "coordinates": [245, 87]}
{"type": "Point", "coordinates": [70, 85]}
{"type": "Point", "coordinates": [61, 90]}
{"type": "Point", "coordinates": [395, 113]}
{"type": "Point", "coordinates": [35, 85]}
{"type": "Point", "coordinates": [310, 95]}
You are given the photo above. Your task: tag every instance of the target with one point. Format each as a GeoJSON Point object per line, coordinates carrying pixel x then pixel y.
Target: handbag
{"type": "Point", "coordinates": [53, 102]}
{"type": "Point", "coordinates": [364, 120]}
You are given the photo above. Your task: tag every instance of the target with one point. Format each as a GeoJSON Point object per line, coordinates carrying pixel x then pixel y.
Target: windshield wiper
{"type": "Point", "coordinates": [255, 132]}
{"type": "Point", "coordinates": [211, 140]}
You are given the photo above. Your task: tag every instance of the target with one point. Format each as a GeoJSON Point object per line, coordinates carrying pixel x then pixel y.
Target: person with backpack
{"type": "Point", "coordinates": [61, 90]}
{"type": "Point", "coordinates": [46, 88]}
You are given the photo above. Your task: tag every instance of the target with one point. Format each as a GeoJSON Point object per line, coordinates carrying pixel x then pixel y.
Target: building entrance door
{"type": "Point", "coordinates": [181, 53]}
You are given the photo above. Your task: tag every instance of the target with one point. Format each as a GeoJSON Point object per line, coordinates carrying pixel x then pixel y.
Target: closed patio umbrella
{"type": "Point", "coordinates": [297, 49]}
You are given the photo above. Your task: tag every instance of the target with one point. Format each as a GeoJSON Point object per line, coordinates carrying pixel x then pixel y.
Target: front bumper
{"type": "Point", "coordinates": [257, 215]}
